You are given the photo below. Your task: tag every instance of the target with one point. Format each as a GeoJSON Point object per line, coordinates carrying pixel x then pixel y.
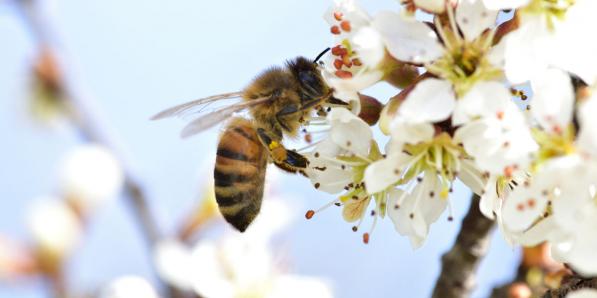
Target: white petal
{"type": "Point", "coordinates": [350, 132]}
{"type": "Point", "coordinates": [431, 204]}
{"type": "Point", "coordinates": [357, 83]}
{"type": "Point", "coordinates": [553, 99]}
{"type": "Point", "coordinates": [565, 52]}
{"type": "Point", "coordinates": [91, 175]}
{"type": "Point", "coordinates": [400, 208]}
{"type": "Point", "coordinates": [473, 18]}
{"type": "Point", "coordinates": [54, 226]}
{"type": "Point", "coordinates": [434, 6]}
{"type": "Point", "coordinates": [210, 279]}
{"type": "Point", "coordinates": [129, 286]}
{"type": "Point", "coordinates": [411, 133]}
{"type": "Point", "coordinates": [504, 4]}
{"type": "Point", "coordinates": [523, 207]}
{"type": "Point", "coordinates": [485, 99]}
{"type": "Point", "coordinates": [525, 53]}
{"type": "Point", "coordinates": [587, 138]}
{"type": "Point", "coordinates": [173, 263]}
{"type": "Point", "coordinates": [471, 176]}
{"type": "Point", "coordinates": [382, 173]}
{"type": "Point", "coordinates": [490, 202]}
{"type": "Point", "coordinates": [432, 100]}
{"type": "Point", "coordinates": [290, 286]}
{"type": "Point", "coordinates": [407, 39]}
{"type": "Point", "coordinates": [368, 43]}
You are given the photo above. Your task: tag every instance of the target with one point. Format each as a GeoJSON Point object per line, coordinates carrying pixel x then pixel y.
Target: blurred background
{"type": "Point", "coordinates": [134, 58]}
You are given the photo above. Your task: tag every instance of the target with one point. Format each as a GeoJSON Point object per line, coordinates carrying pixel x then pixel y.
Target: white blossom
{"type": "Point", "coordinates": [90, 175]}
{"type": "Point", "coordinates": [54, 226]}
{"type": "Point", "coordinates": [129, 286]}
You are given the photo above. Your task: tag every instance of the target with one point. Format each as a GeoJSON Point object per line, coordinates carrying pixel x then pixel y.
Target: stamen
{"type": "Point", "coordinates": [335, 30]}
{"type": "Point", "coordinates": [338, 16]}
{"type": "Point", "coordinates": [345, 25]}
{"type": "Point", "coordinates": [343, 74]}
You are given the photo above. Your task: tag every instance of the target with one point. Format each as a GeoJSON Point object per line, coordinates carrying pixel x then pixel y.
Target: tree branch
{"type": "Point", "coordinates": [457, 278]}
{"type": "Point", "coordinates": [571, 284]}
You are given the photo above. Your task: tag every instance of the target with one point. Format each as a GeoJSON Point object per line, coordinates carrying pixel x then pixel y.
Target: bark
{"type": "Point", "coordinates": [459, 264]}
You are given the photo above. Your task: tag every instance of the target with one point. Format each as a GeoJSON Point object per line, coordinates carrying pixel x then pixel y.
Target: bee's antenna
{"type": "Point", "coordinates": [320, 55]}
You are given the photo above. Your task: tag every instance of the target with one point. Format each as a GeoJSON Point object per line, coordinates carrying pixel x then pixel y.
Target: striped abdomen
{"type": "Point", "coordinates": [239, 173]}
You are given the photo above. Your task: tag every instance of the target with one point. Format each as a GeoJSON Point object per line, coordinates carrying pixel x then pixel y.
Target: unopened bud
{"type": "Point", "coordinates": [519, 290]}
{"type": "Point", "coordinates": [401, 75]}
{"type": "Point", "coordinates": [370, 109]}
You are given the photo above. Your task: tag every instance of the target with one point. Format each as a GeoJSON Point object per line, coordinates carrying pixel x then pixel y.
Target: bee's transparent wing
{"type": "Point", "coordinates": [191, 107]}
{"type": "Point", "coordinates": [204, 122]}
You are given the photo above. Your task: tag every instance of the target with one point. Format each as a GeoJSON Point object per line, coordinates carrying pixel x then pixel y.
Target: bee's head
{"type": "Point", "coordinates": [309, 77]}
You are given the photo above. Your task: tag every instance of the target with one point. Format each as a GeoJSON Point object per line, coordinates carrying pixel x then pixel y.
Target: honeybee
{"type": "Point", "coordinates": [279, 101]}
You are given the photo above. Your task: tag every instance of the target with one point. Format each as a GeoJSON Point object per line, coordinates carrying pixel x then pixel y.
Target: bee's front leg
{"type": "Point", "coordinates": [285, 159]}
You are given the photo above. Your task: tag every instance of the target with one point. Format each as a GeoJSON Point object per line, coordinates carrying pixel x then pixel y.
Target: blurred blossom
{"type": "Point", "coordinates": [54, 226]}
{"type": "Point", "coordinates": [90, 175]}
{"type": "Point", "coordinates": [47, 102]}
{"type": "Point", "coordinates": [129, 287]}
{"type": "Point", "coordinates": [15, 259]}
{"type": "Point", "coordinates": [237, 265]}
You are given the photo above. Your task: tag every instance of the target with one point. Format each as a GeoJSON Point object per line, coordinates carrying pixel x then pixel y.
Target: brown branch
{"type": "Point", "coordinates": [457, 278]}
{"type": "Point", "coordinates": [571, 284]}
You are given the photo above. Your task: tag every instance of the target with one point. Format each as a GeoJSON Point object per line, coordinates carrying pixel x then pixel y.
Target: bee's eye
{"type": "Point", "coordinates": [311, 83]}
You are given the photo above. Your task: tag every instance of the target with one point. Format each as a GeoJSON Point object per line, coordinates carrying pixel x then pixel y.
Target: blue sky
{"type": "Point", "coordinates": [137, 57]}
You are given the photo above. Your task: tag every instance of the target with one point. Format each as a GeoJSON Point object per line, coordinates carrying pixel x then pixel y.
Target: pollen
{"type": "Point", "coordinates": [338, 16]}
{"type": "Point", "coordinates": [274, 145]}
{"type": "Point", "coordinates": [309, 214]}
{"type": "Point", "coordinates": [338, 64]}
{"type": "Point", "coordinates": [345, 25]}
{"type": "Point", "coordinates": [366, 238]}
{"type": "Point", "coordinates": [335, 30]}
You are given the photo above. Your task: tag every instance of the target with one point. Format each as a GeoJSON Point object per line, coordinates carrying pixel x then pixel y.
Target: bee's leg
{"type": "Point", "coordinates": [284, 158]}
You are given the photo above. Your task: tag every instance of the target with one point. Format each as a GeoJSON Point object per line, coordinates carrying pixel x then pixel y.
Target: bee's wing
{"type": "Point", "coordinates": [204, 122]}
{"type": "Point", "coordinates": [189, 107]}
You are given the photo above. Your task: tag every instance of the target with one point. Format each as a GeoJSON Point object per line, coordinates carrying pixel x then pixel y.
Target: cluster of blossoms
{"type": "Point", "coordinates": [461, 114]}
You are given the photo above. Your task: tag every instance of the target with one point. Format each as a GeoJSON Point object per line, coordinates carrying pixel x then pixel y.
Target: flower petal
{"type": "Point", "coordinates": [407, 39]}
{"type": "Point", "coordinates": [553, 99]}
{"type": "Point", "coordinates": [350, 132]}
{"type": "Point", "coordinates": [432, 100]}
{"type": "Point", "coordinates": [473, 18]}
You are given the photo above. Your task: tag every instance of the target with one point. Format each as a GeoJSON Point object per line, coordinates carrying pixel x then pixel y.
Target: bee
{"type": "Point", "coordinates": [279, 101]}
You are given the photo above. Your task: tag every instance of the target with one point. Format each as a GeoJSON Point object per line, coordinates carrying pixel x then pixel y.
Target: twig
{"type": "Point", "coordinates": [457, 278]}
{"type": "Point", "coordinates": [571, 284]}
{"type": "Point", "coordinates": [88, 125]}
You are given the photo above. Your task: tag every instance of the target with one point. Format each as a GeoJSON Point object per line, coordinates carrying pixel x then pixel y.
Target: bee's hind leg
{"type": "Point", "coordinates": [285, 159]}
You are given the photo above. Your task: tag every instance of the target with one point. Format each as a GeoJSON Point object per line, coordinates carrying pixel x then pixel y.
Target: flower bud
{"type": "Point", "coordinates": [54, 226]}
{"type": "Point", "coordinates": [399, 74]}
{"type": "Point", "coordinates": [129, 286]}
{"type": "Point", "coordinates": [90, 176]}
{"type": "Point", "coordinates": [519, 290]}
{"type": "Point", "coordinates": [370, 109]}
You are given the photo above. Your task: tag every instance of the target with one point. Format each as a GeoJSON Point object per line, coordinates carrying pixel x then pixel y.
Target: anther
{"type": "Point", "coordinates": [316, 154]}
{"type": "Point", "coordinates": [338, 16]}
{"type": "Point", "coordinates": [309, 214]}
{"type": "Point", "coordinates": [317, 185]}
{"type": "Point", "coordinates": [450, 218]}
{"type": "Point", "coordinates": [366, 238]}
{"type": "Point", "coordinates": [354, 228]}
{"type": "Point", "coordinates": [345, 25]}
{"type": "Point", "coordinates": [357, 62]}
{"type": "Point", "coordinates": [338, 64]}
{"type": "Point", "coordinates": [335, 30]}
{"type": "Point", "coordinates": [412, 215]}
{"type": "Point", "coordinates": [343, 74]}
